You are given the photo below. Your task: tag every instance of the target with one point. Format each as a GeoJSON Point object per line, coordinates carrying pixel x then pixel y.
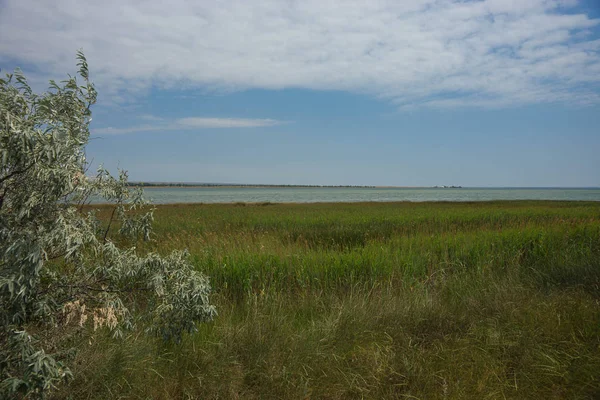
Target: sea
{"type": "Point", "coordinates": [170, 195]}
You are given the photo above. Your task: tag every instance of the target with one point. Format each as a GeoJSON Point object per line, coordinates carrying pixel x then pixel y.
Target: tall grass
{"type": "Point", "coordinates": [373, 300]}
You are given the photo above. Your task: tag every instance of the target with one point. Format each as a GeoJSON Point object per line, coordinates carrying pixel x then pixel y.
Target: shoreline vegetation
{"type": "Point", "coordinates": [275, 186]}
{"type": "Point", "coordinates": [370, 300]}
{"type": "Point", "coordinates": [234, 185]}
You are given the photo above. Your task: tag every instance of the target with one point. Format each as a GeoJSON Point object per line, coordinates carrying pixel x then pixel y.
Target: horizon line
{"type": "Point", "coordinates": [191, 183]}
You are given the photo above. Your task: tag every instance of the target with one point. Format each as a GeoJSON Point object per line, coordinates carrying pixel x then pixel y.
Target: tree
{"type": "Point", "coordinates": [60, 264]}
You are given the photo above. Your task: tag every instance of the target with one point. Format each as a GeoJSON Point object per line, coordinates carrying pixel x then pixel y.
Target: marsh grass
{"type": "Point", "coordinates": [373, 300]}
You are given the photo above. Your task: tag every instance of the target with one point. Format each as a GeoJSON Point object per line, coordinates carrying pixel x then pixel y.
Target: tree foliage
{"type": "Point", "coordinates": [60, 264]}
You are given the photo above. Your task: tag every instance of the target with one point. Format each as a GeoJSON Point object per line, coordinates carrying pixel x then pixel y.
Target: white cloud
{"type": "Point", "coordinates": [121, 131]}
{"type": "Point", "coordinates": [195, 122]}
{"type": "Point", "coordinates": [416, 53]}
{"type": "Point", "coordinates": [151, 118]}
{"type": "Point", "coordinates": [187, 124]}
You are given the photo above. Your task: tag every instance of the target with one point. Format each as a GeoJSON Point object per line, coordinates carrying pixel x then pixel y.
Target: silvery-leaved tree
{"type": "Point", "coordinates": [60, 264]}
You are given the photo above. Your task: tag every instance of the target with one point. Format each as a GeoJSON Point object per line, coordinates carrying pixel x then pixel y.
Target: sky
{"type": "Point", "coordinates": [501, 93]}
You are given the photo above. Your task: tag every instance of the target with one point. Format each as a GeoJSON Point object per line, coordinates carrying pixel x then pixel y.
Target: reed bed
{"type": "Point", "coordinates": [372, 300]}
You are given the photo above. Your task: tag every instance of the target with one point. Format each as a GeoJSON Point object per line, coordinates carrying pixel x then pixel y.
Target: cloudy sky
{"type": "Point", "coordinates": [374, 92]}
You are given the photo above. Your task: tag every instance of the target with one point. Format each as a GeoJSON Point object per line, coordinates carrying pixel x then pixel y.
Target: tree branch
{"type": "Point", "coordinates": [109, 223]}
{"type": "Point", "coordinates": [95, 289]}
{"type": "Point", "coordinates": [17, 172]}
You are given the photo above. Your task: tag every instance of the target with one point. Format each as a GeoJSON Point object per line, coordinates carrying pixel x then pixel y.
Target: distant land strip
{"type": "Point", "coordinates": [238, 185]}
{"type": "Point", "coordinates": [254, 185]}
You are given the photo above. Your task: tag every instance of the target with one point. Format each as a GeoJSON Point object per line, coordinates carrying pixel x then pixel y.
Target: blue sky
{"type": "Point", "coordinates": [407, 93]}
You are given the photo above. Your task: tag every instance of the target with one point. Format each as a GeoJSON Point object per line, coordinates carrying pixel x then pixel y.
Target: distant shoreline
{"type": "Point", "coordinates": [267, 186]}
{"type": "Point", "coordinates": [242, 186]}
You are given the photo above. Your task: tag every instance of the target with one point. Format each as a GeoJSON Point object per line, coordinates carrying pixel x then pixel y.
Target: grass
{"type": "Point", "coordinates": [372, 300]}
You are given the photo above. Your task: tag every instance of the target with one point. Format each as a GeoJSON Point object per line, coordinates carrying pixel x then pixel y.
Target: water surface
{"type": "Point", "coordinates": [166, 195]}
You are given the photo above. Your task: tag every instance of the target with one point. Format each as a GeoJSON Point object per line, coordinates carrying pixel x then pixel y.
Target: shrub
{"type": "Point", "coordinates": [59, 263]}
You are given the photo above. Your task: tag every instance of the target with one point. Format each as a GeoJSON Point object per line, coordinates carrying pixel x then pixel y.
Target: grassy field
{"type": "Point", "coordinates": [374, 300]}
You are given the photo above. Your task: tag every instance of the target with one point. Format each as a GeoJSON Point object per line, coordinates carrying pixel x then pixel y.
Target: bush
{"type": "Point", "coordinates": [60, 264]}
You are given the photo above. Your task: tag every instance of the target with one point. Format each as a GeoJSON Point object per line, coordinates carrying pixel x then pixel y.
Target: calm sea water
{"type": "Point", "coordinates": [312, 195]}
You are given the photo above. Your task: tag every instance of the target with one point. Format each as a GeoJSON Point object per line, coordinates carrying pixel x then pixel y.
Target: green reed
{"type": "Point", "coordinates": [373, 300]}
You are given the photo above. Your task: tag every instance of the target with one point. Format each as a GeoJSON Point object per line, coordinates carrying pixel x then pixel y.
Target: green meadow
{"type": "Point", "coordinates": [484, 300]}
